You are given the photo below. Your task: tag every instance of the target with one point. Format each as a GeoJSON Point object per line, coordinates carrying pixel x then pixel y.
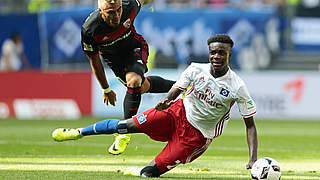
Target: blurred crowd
{"type": "Point", "coordinates": [220, 3]}
{"type": "Point", "coordinates": [9, 6]}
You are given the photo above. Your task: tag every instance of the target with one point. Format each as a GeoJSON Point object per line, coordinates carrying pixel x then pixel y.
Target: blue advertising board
{"type": "Point", "coordinates": [181, 34]}
{"type": "Point", "coordinates": [27, 26]}
{"type": "Point", "coordinates": [185, 33]}
{"type": "Point", "coordinates": [61, 32]}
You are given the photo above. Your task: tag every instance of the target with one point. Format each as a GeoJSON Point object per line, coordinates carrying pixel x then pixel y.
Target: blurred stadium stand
{"type": "Point", "coordinates": [292, 44]}
{"type": "Point", "coordinates": [280, 35]}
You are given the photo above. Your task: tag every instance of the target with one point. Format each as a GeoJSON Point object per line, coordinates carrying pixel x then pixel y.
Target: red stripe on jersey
{"type": "Point", "coordinates": [104, 38]}
{"type": "Point", "coordinates": [144, 44]}
{"type": "Point", "coordinates": [249, 114]}
{"type": "Point", "coordinates": [189, 91]}
{"type": "Point", "coordinates": [220, 125]}
{"type": "Point", "coordinates": [216, 133]}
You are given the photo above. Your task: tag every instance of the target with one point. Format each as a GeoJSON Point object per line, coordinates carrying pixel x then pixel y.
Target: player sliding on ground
{"type": "Point", "coordinates": [190, 124]}
{"type": "Point", "coordinates": [109, 32]}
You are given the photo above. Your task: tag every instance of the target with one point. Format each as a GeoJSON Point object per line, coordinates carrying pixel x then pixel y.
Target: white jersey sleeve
{"type": "Point", "coordinates": [186, 78]}
{"type": "Point", "coordinates": [246, 105]}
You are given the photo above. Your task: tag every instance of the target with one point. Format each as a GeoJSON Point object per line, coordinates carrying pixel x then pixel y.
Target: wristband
{"type": "Point", "coordinates": [106, 90]}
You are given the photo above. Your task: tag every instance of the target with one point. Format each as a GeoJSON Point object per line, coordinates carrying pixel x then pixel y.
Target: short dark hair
{"type": "Point", "coordinates": [15, 34]}
{"type": "Point", "coordinates": [222, 38]}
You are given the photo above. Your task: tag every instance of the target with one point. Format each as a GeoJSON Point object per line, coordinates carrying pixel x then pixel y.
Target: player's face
{"type": "Point", "coordinates": [111, 13]}
{"type": "Point", "coordinates": [219, 55]}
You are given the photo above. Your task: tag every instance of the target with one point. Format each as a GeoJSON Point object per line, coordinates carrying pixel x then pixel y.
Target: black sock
{"type": "Point", "coordinates": [131, 102]}
{"type": "Point", "coordinates": [159, 85]}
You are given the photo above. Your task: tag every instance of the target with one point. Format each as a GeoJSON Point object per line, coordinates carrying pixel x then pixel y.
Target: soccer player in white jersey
{"type": "Point", "coordinates": [188, 124]}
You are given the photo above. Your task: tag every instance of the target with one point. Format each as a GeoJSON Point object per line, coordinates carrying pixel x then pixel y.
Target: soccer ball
{"type": "Point", "coordinates": [266, 168]}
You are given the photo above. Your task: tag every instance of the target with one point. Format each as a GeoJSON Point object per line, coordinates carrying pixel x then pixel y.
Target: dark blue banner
{"type": "Point", "coordinates": [184, 34]}
{"type": "Point", "coordinates": [179, 34]}
{"type": "Point", "coordinates": [62, 31]}
{"type": "Point", "coordinates": [27, 26]}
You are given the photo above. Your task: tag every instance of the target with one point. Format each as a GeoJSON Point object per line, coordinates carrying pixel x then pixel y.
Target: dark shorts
{"type": "Point", "coordinates": [185, 143]}
{"type": "Point", "coordinates": [120, 70]}
{"type": "Point", "coordinates": [134, 60]}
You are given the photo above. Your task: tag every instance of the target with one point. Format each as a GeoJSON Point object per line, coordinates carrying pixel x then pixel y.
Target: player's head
{"type": "Point", "coordinates": [111, 11]}
{"type": "Point", "coordinates": [220, 51]}
{"type": "Point", "coordinates": [16, 37]}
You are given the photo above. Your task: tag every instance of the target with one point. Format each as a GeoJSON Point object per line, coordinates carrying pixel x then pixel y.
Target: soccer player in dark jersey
{"type": "Point", "coordinates": [109, 32]}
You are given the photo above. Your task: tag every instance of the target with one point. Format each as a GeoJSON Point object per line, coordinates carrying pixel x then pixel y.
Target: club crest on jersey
{"type": "Point", "coordinates": [127, 23]}
{"type": "Point", "coordinates": [105, 38]}
{"type": "Point", "coordinates": [141, 118]}
{"type": "Point", "coordinates": [224, 92]}
{"type": "Point", "coordinates": [250, 104]}
{"type": "Point", "coordinates": [87, 47]}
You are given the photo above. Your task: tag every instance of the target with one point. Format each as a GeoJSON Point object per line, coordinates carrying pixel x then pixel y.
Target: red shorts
{"type": "Point", "coordinates": [185, 143]}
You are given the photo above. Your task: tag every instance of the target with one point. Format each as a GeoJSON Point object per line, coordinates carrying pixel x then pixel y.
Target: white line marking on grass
{"type": "Point", "coordinates": [78, 143]}
{"type": "Point", "coordinates": [263, 149]}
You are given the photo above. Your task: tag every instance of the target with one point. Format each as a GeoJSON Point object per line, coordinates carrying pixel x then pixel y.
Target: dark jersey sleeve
{"type": "Point", "coordinates": [136, 5]}
{"type": "Point", "coordinates": [89, 46]}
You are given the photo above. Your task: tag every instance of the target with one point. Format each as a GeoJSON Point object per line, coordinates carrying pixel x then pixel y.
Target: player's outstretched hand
{"type": "Point", "coordinates": [163, 104]}
{"type": "Point", "coordinates": [110, 97]}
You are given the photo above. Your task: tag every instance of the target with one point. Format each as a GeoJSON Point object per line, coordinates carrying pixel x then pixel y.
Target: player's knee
{"type": "Point", "coordinates": [134, 81]}
{"type": "Point", "coordinates": [150, 171]}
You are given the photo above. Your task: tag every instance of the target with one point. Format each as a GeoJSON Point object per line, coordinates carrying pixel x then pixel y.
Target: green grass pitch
{"type": "Point", "coordinates": [28, 152]}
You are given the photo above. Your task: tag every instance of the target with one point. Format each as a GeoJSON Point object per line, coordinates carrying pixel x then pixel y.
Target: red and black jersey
{"type": "Point", "coordinates": [97, 36]}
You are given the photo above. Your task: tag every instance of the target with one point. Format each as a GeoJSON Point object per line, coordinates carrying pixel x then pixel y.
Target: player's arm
{"type": "Point", "coordinates": [181, 85]}
{"type": "Point", "coordinates": [173, 93]}
{"type": "Point", "coordinates": [252, 140]}
{"type": "Point", "coordinates": [97, 67]}
{"type": "Point", "coordinates": [144, 2]}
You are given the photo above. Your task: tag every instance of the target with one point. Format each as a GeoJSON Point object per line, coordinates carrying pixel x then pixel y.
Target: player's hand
{"type": "Point", "coordinates": [163, 104]}
{"type": "Point", "coordinates": [250, 164]}
{"type": "Point", "coordinates": [110, 97]}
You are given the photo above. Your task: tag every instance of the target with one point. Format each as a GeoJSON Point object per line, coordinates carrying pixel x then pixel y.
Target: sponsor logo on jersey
{"type": "Point", "coordinates": [105, 38]}
{"type": "Point", "coordinates": [127, 23]}
{"type": "Point", "coordinates": [250, 104]}
{"type": "Point", "coordinates": [119, 39]}
{"type": "Point", "coordinates": [87, 47]}
{"type": "Point", "coordinates": [224, 92]}
{"type": "Point", "coordinates": [202, 78]}
{"type": "Point", "coordinates": [141, 118]}
{"type": "Point", "coordinates": [208, 98]}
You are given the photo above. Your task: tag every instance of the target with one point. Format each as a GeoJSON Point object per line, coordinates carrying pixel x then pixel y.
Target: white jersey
{"type": "Point", "coordinates": [13, 52]}
{"type": "Point", "coordinates": [208, 100]}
